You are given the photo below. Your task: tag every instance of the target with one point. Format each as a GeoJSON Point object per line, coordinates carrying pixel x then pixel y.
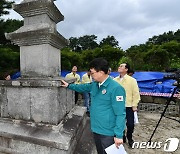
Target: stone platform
{"type": "Point", "coordinates": [19, 136]}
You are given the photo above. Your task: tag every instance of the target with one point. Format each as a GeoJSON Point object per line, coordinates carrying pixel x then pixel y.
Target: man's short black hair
{"type": "Point", "coordinates": [131, 71]}
{"type": "Point", "coordinates": [127, 66]}
{"type": "Point", "coordinates": [99, 64]}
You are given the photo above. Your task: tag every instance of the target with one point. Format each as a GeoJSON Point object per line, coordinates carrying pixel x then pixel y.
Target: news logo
{"type": "Point", "coordinates": [170, 145]}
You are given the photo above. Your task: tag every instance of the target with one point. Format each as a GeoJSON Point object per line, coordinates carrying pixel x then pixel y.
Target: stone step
{"type": "Point", "coordinates": [86, 144]}
{"type": "Point", "coordinates": [17, 136]}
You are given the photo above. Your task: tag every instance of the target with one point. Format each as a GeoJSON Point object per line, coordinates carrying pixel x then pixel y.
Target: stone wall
{"type": "Point", "coordinates": [157, 104]}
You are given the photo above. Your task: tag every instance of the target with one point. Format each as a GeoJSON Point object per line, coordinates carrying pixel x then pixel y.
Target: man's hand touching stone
{"type": "Point", "coordinates": [64, 84]}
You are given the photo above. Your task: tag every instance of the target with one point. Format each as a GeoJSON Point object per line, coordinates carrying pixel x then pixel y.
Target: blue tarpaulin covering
{"type": "Point", "coordinates": [154, 82]}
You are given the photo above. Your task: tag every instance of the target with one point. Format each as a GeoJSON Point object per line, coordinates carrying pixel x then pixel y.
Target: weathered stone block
{"type": "Point", "coordinates": [19, 103]}
{"type": "Point", "coordinates": [160, 100]}
{"type": "Point", "coordinates": [40, 61]}
{"type": "Point", "coordinates": [18, 136]}
{"type": "Point", "coordinates": [147, 99]}
{"type": "Point", "coordinates": [35, 100]}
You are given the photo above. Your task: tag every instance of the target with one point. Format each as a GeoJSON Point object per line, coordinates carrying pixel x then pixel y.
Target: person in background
{"type": "Point", "coordinates": [132, 98]}
{"type": "Point", "coordinates": [13, 76]}
{"type": "Point", "coordinates": [74, 75]}
{"type": "Point", "coordinates": [109, 72]}
{"type": "Point", "coordinates": [107, 111]}
{"type": "Point", "coordinates": [86, 78]}
{"type": "Point", "coordinates": [8, 77]}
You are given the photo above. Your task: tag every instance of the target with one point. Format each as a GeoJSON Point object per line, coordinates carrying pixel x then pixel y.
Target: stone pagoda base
{"type": "Point", "coordinates": [17, 136]}
{"type": "Point", "coordinates": [38, 116]}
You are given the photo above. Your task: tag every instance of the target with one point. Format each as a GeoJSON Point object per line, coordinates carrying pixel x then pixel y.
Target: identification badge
{"type": "Point", "coordinates": [103, 91]}
{"type": "Point", "coordinates": [119, 98]}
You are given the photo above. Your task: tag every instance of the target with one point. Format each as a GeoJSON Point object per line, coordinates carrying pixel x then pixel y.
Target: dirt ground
{"type": "Point", "coordinates": [147, 121]}
{"type": "Point", "coordinates": [167, 129]}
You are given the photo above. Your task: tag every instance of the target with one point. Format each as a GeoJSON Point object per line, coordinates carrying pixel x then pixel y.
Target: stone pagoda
{"type": "Point", "coordinates": [37, 115]}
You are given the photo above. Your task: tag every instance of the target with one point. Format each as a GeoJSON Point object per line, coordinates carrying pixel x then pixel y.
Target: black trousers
{"type": "Point", "coordinates": [76, 97]}
{"type": "Point", "coordinates": [129, 123]}
{"type": "Point", "coordinates": [102, 142]}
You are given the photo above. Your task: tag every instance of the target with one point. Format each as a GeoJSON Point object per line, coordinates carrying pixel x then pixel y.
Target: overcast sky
{"type": "Point", "coordinates": [131, 22]}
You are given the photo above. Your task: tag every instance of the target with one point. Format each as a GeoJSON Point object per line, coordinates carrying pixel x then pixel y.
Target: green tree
{"type": "Point", "coordinates": [86, 42]}
{"type": "Point", "coordinates": [175, 63]}
{"type": "Point", "coordinates": [74, 44]}
{"type": "Point", "coordinates": [177, 35]}
{"type": "Point", "coordinates": [9, 60]}
{"type": "Point", "coordinates": [136, 54]}
{"type": "Point", "coordinates": [8, 26]}
{"type": "Point", "coordinates": [157, 59]}
{"type": "Point", "coordinates": [173, 48]}
{"type": "Point", "coordinates": [4, 5]}
{"type": "Point", "coordinates": [111, 54]}
{"type": "Point", "coordinates": [69, 59]}
{"type": "Point", "coordinates": [87, 57]}
{"type": "Point", "coordinates": [163, 38]}
{"type": "Point", "coordinates": [82, 60]}
{"type": "Point", "coordinates": [125, 59]}
{"type": "Point", "coordinates": [109, 40]}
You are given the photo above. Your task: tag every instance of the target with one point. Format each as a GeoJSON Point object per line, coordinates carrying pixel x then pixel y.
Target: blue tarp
{"type": "Point", "coordinates": [154, 82]}
{"type": "Point", "coordinates": [147, 81]}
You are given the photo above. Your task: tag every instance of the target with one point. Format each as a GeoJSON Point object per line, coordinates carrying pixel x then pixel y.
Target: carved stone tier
{"type": "Point", "coordinates": [43, 34]}
{"type": "Point", "coordinates": [36, 7]}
